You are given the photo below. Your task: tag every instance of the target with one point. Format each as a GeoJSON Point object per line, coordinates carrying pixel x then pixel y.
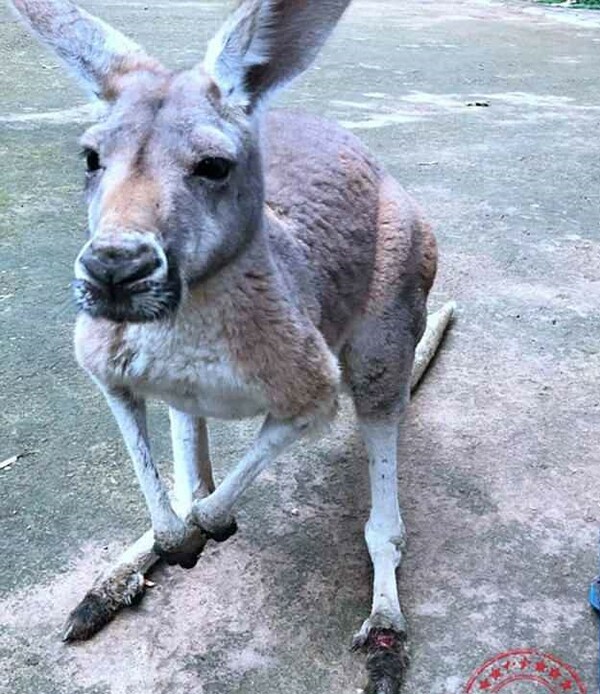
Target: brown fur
{"type": "Point", "coordinates": [241, 264]}
{"type": "Point", "coordinates": [275, 344]}
{"type": "Point", "coordinates": [133, 204]}
{"type": "Point", "coordinates": [330, 255]}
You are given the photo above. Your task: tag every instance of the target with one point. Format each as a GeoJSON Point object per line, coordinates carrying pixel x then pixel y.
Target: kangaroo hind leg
{"type": "Point", "coordinates": [378, 361]}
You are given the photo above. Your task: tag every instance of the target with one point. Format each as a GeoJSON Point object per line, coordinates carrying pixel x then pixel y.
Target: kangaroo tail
{"type": "Point", "coordinates": [434, 332]}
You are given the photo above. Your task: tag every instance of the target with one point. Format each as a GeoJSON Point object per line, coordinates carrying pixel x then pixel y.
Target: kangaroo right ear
{"type": "Point", "coordinates": [98, 54]}
{"type": "Point", "coordinates": [266, 43]}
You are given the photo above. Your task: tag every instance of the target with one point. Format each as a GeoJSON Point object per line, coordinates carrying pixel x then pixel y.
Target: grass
{"type": "Point", "coordinates": [577, 4]}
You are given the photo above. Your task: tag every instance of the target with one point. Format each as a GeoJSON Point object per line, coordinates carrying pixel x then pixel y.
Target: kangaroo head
{"type": "Point", "coordinates": [173, 171]}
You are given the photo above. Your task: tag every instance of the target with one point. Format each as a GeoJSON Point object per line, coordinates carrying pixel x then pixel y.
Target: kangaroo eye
{"type": "Point", "coordinates": [213, 168]}
{"type": "Point", "coordinates": [92, 160]}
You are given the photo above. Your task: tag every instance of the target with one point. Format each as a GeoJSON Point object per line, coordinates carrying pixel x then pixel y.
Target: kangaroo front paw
{"type": "Point", "coordinates": [101, 604]}
{"type": "Point", "coordinates": [218, 528]}
{"type": "Point", "coordinates": [183, 550]}
{"type": "Point", "coordinates": [387, 656]}
{"type": "Point", "coordinates": [224, 532]}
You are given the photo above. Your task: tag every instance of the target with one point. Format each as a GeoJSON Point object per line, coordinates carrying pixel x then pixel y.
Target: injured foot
{"type": "Point", "coordinates": [386, 651]}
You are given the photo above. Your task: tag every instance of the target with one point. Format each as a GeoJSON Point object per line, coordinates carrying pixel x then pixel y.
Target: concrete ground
{"type": "Point", "coordinates": [499, 478]}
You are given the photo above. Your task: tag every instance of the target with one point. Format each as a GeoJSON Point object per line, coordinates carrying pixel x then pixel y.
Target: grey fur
{"type": "Point", "coordinates": [305, 268]}
{"type": "Point", "coordinates": [266, 43]}
{"type": "Point", "coordinates": [92, 49]}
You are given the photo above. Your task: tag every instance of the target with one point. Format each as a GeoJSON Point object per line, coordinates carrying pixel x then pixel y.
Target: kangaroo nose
{"type": "Point", "coordinates": [114, 265]}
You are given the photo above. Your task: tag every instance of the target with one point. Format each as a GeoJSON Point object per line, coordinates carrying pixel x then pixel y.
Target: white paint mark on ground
{"type": "Point", "coordinates": [536, 100]}
{"type": "Point", "coordinates": [446, 101]}
{"type": "Point", "coordinates": [518, 107]}
{"type": "Point", "coordinates": [79, 114]}
{"type": "Point", "coordinates": [380, 120]}
{"type": "Point", "coordinates": [565, 60]}
{"type": "Point", "coordinates": [361, 105]}
{"type": "Point", "coordinates": [526, 105]}
{"type": "Point", "coordinates": [370, 66]}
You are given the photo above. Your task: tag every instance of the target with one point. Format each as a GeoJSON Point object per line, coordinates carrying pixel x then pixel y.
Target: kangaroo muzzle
{"type": "Point", "coordinates": [126, 278]}
{"type": "Point", "coordinates": [119, 266]}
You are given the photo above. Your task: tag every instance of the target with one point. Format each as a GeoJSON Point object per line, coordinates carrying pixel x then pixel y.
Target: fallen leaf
{"type": "Point", "coordinates": [9, 461]}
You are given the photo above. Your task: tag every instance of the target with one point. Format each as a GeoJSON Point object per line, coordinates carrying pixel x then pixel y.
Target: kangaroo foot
{"type": "Point", "coordinates": [123, 588]}
{"type": "Point", "coordinates": [387, 657]}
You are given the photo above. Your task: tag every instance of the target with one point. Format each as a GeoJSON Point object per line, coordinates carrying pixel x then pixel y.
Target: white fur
{"type": "Point", "coordinates": [235, 49]}
{"type": "Point", "coordinates": [88, 46]}
{"type": "Point", "coordinates": [114, 42]}
{"type": "Point", "coordinates": [188, 366]}
{"type": "Point", "coordinates": [274, 437]}
{"type": "Point", "coordinates": [131, 418]}
{"type": "Point", "coordinates": [384, 531]}
{"type": "Point", "coordinates": [139, 554]}
{"type": "Point", "coordinates": [285, 37]}
{"type": "Point", "coordinates": [191, 460]}
{"type": "Point", "coordinates": [434, 332]}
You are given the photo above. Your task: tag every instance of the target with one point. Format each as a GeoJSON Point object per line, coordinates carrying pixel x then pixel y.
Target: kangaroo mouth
{"type": "Point", "coordinates": [145, 302]}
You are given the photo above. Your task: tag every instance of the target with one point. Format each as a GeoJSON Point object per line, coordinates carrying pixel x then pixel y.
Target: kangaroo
{"type": "Point", "coordinates": [241, 262]}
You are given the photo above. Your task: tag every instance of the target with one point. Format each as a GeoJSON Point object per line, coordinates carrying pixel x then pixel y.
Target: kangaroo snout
{"type": "Point", "coordinates": [119, 266]}
{"type": "Point", "coordinates": [126, 277]}
{"type": "Point", "coordinates": [120, 263]}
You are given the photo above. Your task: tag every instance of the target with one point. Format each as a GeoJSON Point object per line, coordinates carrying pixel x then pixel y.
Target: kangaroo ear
{"type": "Point", "coordinates": [266, 43]}
{"type": "Point", "coordinates": [98, 54]}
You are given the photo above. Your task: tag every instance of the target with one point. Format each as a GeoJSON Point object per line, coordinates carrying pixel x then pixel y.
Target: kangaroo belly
{"type": "Point", "coordinates": [209, 388]}
{"type": "Point", "coordinates": [188, 369]}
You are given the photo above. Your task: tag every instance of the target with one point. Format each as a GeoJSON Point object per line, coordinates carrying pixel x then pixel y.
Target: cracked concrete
{"type": "Point", "coordinates": [499, 478]}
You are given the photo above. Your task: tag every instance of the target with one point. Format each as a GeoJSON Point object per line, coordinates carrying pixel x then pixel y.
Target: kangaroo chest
{"type": "Point", "coordinates": [187, 367]}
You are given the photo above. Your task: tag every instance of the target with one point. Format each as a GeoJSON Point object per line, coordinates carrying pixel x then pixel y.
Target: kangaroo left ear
{"type": "Point", "coordinates": [266, 43]}
{"type": "Point", "coordinates": [98, 54]}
